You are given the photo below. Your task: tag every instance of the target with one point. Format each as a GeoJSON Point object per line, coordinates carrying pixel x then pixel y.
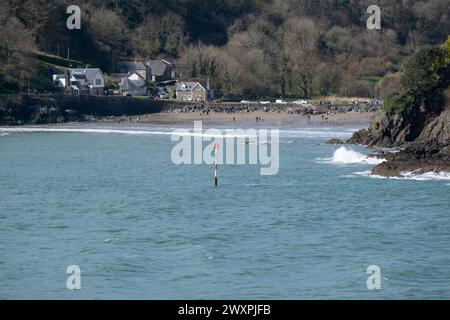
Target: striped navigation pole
{"type": "Point", "coordinates": [216, 151]}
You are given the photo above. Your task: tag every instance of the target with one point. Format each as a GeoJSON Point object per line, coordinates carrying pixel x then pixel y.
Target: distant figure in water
{"type": "Point", "coordinates": [256, 119]}
{"type": "Point", "coordinates": [234, 119]}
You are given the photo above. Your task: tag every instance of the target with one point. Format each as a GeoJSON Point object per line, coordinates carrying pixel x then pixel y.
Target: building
{"type": "Point", "coordinates": [193, 91]}
{"type": "Point", "coordinates": [160, 70]}
{"type": "Point", "coordinates": [132, 68]}
{"type": "Point", "coordinates": [133, 85]}
{"type": "Point", "coordinates": [87, 81]}
{"type": "Point", "coordinates": [59, 80]}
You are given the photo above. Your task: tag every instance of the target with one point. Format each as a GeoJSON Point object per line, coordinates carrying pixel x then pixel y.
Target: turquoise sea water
{"type": "Point", "coordinates": [141, 227]}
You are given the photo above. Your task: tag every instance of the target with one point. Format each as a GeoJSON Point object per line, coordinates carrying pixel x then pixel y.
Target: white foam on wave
{"type": "Point", "coordinates": [369, 174]}
{"type": "Point", "coordinates": [177, 132]}
{"type": "Point", "coordinates": [319, 133]}
{"type": "Point", "coordinates": [284, 133]}
{"type": "Point", "coordinates": [427, 176]}
{"type": "Point", "coordinates": [345, 155]}
{"type": "Point", "coordinates": [4, 134]}
{"type": "Point", "coordinates": [390, 150]}
{"type": "Point", "coordinates": [73, 130]}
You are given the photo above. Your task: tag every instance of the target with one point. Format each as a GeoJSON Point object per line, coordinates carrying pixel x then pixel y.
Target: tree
{"type": "Point", "coordinates": [16, 48]}
{"type": "Point", "coordinates": [108, 29]}
{"type": "Point", "coordinates": [426, 71]}
{"type": "Point", "coordinates": [300, 49]}
{"type": "Point", "coordinates": [159, 35]}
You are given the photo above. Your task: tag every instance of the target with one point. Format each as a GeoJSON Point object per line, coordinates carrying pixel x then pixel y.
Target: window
{"type": "Point", "coordinates": [98, 82]}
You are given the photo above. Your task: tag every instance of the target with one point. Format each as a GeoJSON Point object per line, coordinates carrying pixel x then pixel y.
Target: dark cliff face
{"type": "Point", "coordinates": [18, 110]}
{"type": "Point", "coordinates": [423, 132]}
{"type": "Point", "coordinates": [34, 109]}
{"type": "Point", "coordinates": [390, 129]}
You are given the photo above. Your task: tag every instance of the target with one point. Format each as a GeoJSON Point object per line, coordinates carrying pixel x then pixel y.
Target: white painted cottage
{"type": "Point", "coordinates": [87, 81]}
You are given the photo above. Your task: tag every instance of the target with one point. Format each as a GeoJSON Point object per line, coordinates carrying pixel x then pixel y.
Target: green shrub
{"type": "Point", "coordinates": [398, 103]}
{"type": "Point", "coordinates": [58, 61]}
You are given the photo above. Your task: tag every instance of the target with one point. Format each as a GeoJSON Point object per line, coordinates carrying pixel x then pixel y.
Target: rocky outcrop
{"type": "Point", "coordinates": [360, 137]}
{"type": "Point", "coordinates": [335, 141]}
{"type": "Point", "coordinates": [423, 133]}
{"type": "Point", "coordinates": [390, 129]}
{"type": "Point", "coordinates": [430, 152]}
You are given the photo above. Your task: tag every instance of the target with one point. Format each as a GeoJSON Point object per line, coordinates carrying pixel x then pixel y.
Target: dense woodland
{"type": "Point", "coordinates": [247, 48]}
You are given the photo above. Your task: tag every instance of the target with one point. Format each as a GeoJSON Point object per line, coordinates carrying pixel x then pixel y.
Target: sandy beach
{"type": "Point", "coordinates": [245, 119]}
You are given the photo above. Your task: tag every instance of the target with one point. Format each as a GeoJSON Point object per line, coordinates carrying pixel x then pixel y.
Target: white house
{"type": "Point", "coordinates": [59, 80]}
{"type": "Point", "coordinates": [134, 85]}
{"type": "Point", "coordinates": [87, 81]}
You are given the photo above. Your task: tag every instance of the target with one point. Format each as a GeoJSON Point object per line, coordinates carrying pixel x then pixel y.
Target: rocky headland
{"type": "Point", "coordinates": [421, 133]}
{"type": "Point", "coordinates": [416, 119]}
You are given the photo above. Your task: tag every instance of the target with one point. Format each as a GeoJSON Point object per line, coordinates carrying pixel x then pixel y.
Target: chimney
{"type": "Point", "coordinates": [207, 84]}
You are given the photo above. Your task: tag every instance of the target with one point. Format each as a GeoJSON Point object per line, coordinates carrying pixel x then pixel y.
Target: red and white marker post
{"type": "Point", "coordinates": [216, 151]}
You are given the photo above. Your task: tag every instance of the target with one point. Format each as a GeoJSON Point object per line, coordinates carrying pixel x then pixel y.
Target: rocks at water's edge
{"type": "Point", "coordinates": [424, 135]}
{"type": "Point", "coordinates": [360, 137]}
{"type": "Point", "coordinates": [430, 152]}
{"type": "Point", "coordinates": [335, 141]}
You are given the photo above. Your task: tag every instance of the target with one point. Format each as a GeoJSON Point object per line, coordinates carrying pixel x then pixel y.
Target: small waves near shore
{"type": "Point", "coordinates": [184, 130]}
{"type": "Point", "coordinates": [427, 176]}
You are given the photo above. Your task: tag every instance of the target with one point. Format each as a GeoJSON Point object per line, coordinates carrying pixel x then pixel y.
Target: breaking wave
{"type": "Point", "coordinates": [345, 155]}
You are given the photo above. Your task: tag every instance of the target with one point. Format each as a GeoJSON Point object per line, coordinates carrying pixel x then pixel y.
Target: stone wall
{"type": "Point", "coordinates": [23, 109]}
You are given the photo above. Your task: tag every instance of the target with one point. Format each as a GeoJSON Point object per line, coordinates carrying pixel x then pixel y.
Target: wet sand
{"type": "Point", "coordinates": [172, 118]}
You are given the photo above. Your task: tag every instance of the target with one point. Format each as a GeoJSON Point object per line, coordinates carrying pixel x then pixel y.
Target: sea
{"type": "Point", "coordinates": [108, 201]}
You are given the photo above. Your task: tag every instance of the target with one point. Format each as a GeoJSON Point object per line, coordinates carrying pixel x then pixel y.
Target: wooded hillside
{"type": "Point", "coordinates": [250, 48]}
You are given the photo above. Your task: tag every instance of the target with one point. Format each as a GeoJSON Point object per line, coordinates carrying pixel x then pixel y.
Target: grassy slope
{"type": "Point", "coordinates": [48, 65]}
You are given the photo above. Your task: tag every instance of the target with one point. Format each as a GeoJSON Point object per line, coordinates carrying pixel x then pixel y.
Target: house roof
{"type": "Point", "coordinates": [188, 86]}
{"type": "Point", "coordinates": [129, 65]}
{"type": "Point", "coordinates": [137, 77]}
{"type": "Point", "coordinates": [85, 73]}
{"type": "Point", "coordinates": [158, 67]}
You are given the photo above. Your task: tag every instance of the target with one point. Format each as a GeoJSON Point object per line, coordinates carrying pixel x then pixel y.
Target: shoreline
{"type": "Point", "coordinates": [245, 119]}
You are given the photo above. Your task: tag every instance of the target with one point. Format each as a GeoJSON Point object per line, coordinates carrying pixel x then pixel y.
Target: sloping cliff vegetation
{"type": "Point", "coordinates": [417, 118]}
